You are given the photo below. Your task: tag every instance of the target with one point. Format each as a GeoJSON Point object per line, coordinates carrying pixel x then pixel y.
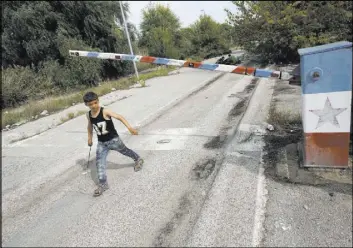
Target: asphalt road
{"type": "Point", "coordinates": [158, 206]}
{"type": "Point", "coordinates": [202, 183]}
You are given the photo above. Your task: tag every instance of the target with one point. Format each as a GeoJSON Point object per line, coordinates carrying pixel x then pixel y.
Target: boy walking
{"type": "Point", "coordinates": [100, 119]}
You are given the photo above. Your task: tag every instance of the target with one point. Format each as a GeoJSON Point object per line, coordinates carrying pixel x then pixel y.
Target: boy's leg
{"type": "Point", "coordinates": [101, 160]}
{"type": "Point", "coordinates": [118, 145]}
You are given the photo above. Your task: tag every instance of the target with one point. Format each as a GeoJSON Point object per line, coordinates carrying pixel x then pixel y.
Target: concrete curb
{"type": "Point", "coordinates": [288, 168]}
{"type": "Point", "coordinates": [13, 136]}
{"type": "Point", "coordinates": [233, 131]}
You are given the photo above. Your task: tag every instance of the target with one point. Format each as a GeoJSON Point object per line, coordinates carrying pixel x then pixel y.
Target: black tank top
{"type": "Point", "coordinates": [105, 128]}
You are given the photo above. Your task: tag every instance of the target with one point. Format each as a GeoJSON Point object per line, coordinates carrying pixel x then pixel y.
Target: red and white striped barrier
{"type": "Point", "coordinates": [184, 63]}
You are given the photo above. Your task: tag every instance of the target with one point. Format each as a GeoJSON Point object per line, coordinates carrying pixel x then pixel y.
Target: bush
{"type": "Point", "coordinates": [21, 84]}
{"type": "Point", "coordinates": [56, 75]}
{"type": "Point", "coordinates": [83, 71]}
{"type": "Point", "coordinates": [18, 84]}
{"type": "Point", "coordinates": [79, 70]}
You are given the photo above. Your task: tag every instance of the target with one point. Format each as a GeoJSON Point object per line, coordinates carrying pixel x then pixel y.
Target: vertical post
{"type": "Point", "coordinates": [326, 75]}
{"type": "Point", "coordinates": [128, 38]}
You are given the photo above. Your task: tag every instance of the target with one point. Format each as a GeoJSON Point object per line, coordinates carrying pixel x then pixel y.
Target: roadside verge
{"type": "Point", "coordinates": [284, 143]}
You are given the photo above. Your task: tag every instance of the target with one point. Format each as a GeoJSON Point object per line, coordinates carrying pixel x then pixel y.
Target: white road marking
{"type": "Point", "coordinates": [261, 198]}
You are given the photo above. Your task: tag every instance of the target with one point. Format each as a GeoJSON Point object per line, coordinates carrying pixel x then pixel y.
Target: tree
{"type": "Point", "coordinates": [184, 41]}
{"type": "Point", "coordinates": [28, 34]}
{"type": "Point", "coordinates": [37, 37]}
{"type": "Point", "coordinates": [159, 30]}
{"type": "Point", "coordinates": [227, 33]}
{"type": "Point", "coordinates": [207, 38]}
{"type": "Point", "coordinates": [276, 29]}
{"type": "Point", "coordinates": [34, 31]}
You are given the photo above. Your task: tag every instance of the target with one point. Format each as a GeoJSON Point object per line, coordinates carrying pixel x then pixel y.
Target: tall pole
{"type": "Point", "coordinates": [128, 38]}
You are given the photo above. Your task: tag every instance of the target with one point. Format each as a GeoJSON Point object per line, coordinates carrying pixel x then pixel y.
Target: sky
{"type": "Point", "coordinates": [187, 11]}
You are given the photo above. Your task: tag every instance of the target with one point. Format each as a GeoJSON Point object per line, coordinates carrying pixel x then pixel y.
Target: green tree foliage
{"type": "Point", "coordinates": [38, 35]}
{"type": "Point", "coordinates": [208, 37]}
{"type": "Point", "coordinates": [159, 31]}
{"type": "Point", "coordinates": [162, 35]}
{"type": "Point", "coordinates": [276, 29]}
{"type": "Point", "coordinates": [186, 46]}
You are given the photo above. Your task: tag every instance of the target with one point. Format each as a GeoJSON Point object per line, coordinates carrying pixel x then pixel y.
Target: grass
{"type": "Point", "coordinates": [283, 118]}
{"type": "Point", "coordinates": [72, 115]}
{"type": "Point", "coordinates": [145, 66]}
{"type": "Point", "coordinates": [33, 109]}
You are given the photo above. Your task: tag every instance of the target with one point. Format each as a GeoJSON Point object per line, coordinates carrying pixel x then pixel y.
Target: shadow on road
{"type": "Point", "coordinates": [82, 163]}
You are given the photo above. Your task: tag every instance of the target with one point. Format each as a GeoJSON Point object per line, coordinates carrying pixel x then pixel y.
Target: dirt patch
{"type": "Point", "coordinates": [216, 142]}
{"type": "Point", "coordinates": [176, 230]}
{"type": "Point", "coordinates": [287, 130]}
{"type": "Point", "coordinates": [247, 137]}
{"type": "Point", "coordinates": [238, 109]}
{"type": "Point", "coordinates": [203, 168]}
{"type": "Point", "coordinates": [240, 106]}
{"type": "Point", "coordinates": [276, 141]}
{"type": "Point", "coordinates": [167, 230]}
{"type": "Point", "coordinates": [249, 88]}
{"type": "Point", "coordinates": [284, 89]}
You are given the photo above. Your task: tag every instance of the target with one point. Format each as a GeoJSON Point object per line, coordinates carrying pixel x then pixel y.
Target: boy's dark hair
{"type": "Point", "coordinates": [90, 96]}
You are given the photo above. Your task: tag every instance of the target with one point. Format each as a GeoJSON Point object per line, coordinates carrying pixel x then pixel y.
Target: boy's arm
{"type": "Point", "coordinates": [89, 130]}
{"type": "Point", "coordinates": [122, 119]}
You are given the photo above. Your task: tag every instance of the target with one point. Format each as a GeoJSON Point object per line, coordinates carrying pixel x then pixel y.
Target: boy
{"type": "Point", "coordinates": [100, 119]}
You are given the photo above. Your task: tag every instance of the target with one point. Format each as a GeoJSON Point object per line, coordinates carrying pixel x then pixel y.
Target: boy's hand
{"type": "Point", "coordinates": [90, 142]}
{"type": "Point", "coordinates": [133, 131]}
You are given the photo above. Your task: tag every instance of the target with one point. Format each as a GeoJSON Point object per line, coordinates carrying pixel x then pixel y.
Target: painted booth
{"type": "Point", "coordinates": [326, 79]}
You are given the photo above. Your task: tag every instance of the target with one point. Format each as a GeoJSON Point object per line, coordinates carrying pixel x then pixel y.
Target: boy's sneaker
{"type": "Point", "coordinates": [101, 188]}
{"type": "Point", "coordinates": [138, 164]}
